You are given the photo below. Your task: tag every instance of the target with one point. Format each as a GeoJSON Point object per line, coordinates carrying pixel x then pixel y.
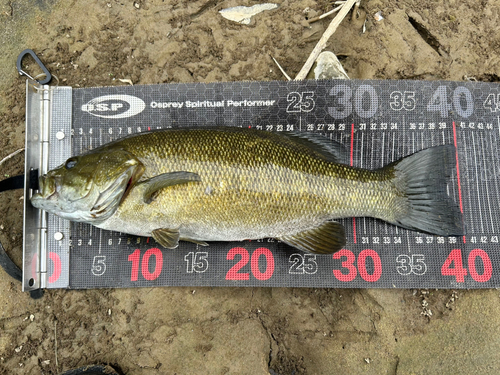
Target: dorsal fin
{"type": "Point", "coordinates": [330, 150]}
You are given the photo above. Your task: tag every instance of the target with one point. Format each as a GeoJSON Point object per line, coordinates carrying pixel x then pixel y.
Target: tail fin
{"type": "Point", "coordinates": [422, 180]}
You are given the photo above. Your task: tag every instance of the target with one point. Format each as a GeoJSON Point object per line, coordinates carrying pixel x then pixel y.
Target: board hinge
{"type": "Point", "coordinates": [38, 115]}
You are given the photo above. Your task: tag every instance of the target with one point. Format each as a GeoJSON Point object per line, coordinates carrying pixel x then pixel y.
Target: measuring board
{"type": "Point", "coordinates": [379, 121]}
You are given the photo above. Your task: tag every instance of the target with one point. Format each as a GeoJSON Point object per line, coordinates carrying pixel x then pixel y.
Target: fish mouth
{"type": "Point", "coordinates": [46, 187]}
{"type": "Point", "coordinates": [47, 192]}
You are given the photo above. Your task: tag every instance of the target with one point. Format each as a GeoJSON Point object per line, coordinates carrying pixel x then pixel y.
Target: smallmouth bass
{"type": "Point", "coordinates": [233, 184]}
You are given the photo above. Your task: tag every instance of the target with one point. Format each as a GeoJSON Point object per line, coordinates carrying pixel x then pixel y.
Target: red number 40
{"type": "Point", "coordinates": [460, 272]}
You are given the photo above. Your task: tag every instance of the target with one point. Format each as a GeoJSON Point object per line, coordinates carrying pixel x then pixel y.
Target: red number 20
{"type": "Point", "coordinates": [233, 273]}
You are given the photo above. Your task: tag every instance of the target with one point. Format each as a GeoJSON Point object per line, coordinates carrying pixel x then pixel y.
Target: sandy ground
{"type": "Point", "coordinates": [238, 330]}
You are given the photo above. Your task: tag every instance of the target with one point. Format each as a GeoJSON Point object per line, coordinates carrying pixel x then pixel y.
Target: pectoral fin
{"type": "Point", "coordinates": [168, 238]}
{"type": "Point", "coordinates": [325, 239]}
{"type": "Point", "coordinates": [153, 184]}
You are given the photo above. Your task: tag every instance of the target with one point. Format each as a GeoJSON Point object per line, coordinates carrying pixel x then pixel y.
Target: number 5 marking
{"type": "Point", "coordinates": [98, 265]}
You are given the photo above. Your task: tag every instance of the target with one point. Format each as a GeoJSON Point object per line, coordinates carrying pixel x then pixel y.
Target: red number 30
{"type": "Point", "coordinates": [352, 271]}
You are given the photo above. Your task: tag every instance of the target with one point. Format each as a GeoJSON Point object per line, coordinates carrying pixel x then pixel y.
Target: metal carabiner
{"type": "Point", "coordinates": [48, 76]}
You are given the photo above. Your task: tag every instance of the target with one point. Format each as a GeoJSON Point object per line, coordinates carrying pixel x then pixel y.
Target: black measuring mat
{"type": "Point", "coordinates": [379, 121]}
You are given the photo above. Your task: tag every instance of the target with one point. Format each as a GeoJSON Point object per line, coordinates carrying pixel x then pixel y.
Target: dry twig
{"type": "Point", "coordinates": [11, 155]}
{"type": "Point", "coordinates": [282, 70]}
{"type": "Point", "coordinates": [325, 14]}
{"type": "Point", "coordinates": [320, 46]}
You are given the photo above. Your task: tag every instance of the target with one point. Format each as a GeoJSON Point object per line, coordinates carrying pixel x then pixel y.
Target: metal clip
{"type": "Point", "coordinates": [48, 76]}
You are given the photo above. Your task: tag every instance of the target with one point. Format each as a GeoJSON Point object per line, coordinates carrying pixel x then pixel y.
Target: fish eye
{"type": "Point", "coordinates": [70, 163]}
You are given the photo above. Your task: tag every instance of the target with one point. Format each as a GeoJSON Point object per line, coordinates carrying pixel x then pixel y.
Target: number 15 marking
{"type": "Point", "coordinates": [196, 262]}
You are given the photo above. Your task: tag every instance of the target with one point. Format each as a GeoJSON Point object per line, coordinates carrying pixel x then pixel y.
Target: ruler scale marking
{"type": "Point", "coordinates": [496, 172]}
{"type": "Point", "coordinates": [382, 162]}
{"type": "Point", "coordinates": [469, 178]}
{"type": "Point", "coordinates": [352, 163]}
{"type": "Point", "coordinates": [477, 177]}
{"type": "Point", "coordinates": [486, 183]}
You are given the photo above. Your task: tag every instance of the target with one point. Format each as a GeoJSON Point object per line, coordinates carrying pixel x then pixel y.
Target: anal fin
{"type": "Point", "coordinates": [328, 238]}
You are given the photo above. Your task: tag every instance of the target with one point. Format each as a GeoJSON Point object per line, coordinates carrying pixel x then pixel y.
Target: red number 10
{"type": "Point", "coordinates": [135, 259]}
